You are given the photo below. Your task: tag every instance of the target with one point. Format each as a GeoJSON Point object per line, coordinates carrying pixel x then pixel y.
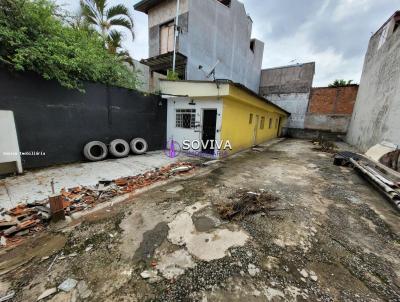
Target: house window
{"type": "Point", "coordinates": [270, 123]}
{"type": "Point", "coordinates": [185, 118]}
{"type": "Point", "coordinates": [262, 122]}
{"type": "Point", "coordinates": [276, 124]}
{"type": "Point", "coordinates": [225, 2]}
{"type": "Point", "coordinates": [251, 118]}
{"type": "Point", "coordinates": [252, 44]}
{"type": "Point", "coordinates": [167, 37]}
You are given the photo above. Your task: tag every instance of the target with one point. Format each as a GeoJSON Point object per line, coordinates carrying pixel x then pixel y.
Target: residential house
{"type": "Point", "coordinates": [212, 33]}
{"type": "Point", "coordinates": [220, 111]}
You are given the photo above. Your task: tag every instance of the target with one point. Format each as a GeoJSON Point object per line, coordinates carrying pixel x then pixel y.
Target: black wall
{"type": "Point", "coordinates": [60, 121]}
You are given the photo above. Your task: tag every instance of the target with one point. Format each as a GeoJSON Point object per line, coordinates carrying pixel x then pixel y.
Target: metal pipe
{"type": "Point", "coordinates": [392, 194]}
{"type": "Point", "coordinates": [176, 34]}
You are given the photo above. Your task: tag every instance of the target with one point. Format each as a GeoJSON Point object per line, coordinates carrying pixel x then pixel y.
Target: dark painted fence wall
{"type": "Point", "coordinates": [60, 121]}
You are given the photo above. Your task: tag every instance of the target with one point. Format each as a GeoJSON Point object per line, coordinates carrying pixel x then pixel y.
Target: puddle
{"type": "Point", "coordinates": [151, 240]}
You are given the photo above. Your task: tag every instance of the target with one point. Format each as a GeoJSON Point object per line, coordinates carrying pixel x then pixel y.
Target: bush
{"type": "Point", "coordinates": [34, 36]}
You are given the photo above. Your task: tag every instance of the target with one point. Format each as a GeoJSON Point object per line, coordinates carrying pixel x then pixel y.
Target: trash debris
{"type": "Point", "coordinates": [83, 290]}
{"type": "Point", "coordinates": [148, 274]}
{"type": "Point", "coordinates": [3, 241]}
{"type": "Point", "coordinates": [89, 248]}
{"type": "Point", "coordinates": [8, 296]}
{"type": "Point", "coordinates": [35, 217]}
{"type": "Point", "coordinates": [246, 203]}
{"type": "Point", "coordinates": [304, 273]}
{"type": "Point", "coordinates": [313, 276]}
{"type": "Point", "coordinates": [211, 162]}
{"type": "Point", "coordinates": [175, 189]}
{"type": "Point", "coordinates": [47, 293]}
{"type": "Point", "coordinates": [324, 145]}
{"type": "Point", "coordinates": [68, 285]}
{"type": "Point", "coordinates": [253, 270]}
{"type": "Point", "coordinates": [52, 263]}
{"type": "Point", "coordinates": [181, 169]}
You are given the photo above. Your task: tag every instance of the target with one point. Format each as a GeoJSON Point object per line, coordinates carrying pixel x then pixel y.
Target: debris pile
{"type": "Point", "coordinates": [325, 145]}
{"type": "Point", "coordinates": [247, 203]}
{"type": "Point", "coordinates": [27, 219]}
{"type": "Point", "coordinates": [386, 183]}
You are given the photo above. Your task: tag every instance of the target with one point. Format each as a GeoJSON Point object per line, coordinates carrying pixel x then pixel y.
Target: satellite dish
{"type": "Point", "coordinates": [212, 72]}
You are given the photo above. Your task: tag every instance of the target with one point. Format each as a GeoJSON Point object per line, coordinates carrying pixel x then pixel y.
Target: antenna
{"type": "Point", "coordinates": [212, 72]}
{"type": "Point", "coordinates": [176, 35]}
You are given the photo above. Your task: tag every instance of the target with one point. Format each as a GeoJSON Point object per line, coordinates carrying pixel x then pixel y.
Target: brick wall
{"type": "Point", "coordinates": [330, 109]}
{"type": "Point", "coordinates": [328, 100]}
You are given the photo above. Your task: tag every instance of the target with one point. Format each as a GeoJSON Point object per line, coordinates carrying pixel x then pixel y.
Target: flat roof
{"type": "Point", "coordinates": [145, 5]}
{"type": "Point", "coordinates": [238, 85]}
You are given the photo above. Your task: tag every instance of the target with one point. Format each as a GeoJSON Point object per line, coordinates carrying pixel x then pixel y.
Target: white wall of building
{"type": "Point", "coordinates": [9, 149]}
{"type": "Point", "coordinates": [180, 134]}
{"type": "Point", "coordinates": [296, 104]}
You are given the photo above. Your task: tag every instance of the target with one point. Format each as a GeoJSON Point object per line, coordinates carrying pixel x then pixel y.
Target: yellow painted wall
{"type": "Point", "coordinates": [236, 128]}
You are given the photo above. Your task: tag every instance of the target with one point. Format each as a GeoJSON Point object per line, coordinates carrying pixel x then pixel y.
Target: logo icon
{"type": "Point", "coordinates": [173, 149]}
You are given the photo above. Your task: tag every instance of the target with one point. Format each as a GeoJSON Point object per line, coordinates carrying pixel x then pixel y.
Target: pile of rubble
{"type": "Point", "coordinates": [245, 203]}
{"type": "Point", "coordinates": [27, 219]}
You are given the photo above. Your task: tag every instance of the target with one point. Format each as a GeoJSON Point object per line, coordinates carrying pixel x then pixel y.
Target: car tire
{"type": "Point", "coordinates": [119, 148]}
{"type": "Point", "coordinates": [139, 146]}
{"type": "Point", "coordinates": [95, 151]}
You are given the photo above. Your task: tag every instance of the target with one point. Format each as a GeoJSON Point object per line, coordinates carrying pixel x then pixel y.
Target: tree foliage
{"type": "Point", "coordinates": [35, 36]}
{"type": "Point", "coordinates": [341, 83]}
{"type": "Point", "coordinates": [107, 20]}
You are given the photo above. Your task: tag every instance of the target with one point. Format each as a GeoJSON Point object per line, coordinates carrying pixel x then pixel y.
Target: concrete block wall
{"type": "Point", "coordinates": [377, 109]}
{"type": "Point", "coordinates": [289, 87]}
{"type": "Point", "coordinates": [57, 122]}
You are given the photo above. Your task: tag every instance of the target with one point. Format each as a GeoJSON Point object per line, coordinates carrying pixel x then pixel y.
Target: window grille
{"type": "Point", "coordinates": [185, 118]}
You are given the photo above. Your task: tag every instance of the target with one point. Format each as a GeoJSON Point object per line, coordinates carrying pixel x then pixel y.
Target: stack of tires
{"type": "Point", "coordinates": [118, 148]}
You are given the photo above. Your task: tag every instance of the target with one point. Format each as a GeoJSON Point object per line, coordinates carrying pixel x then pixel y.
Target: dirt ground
{"type": "Point", "coordinates": [329, 237]}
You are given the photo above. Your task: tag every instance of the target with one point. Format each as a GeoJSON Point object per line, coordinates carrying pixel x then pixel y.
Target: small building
{"type": "Point", "coordinates": [211, 33]}
{"type": "Point", "coordinates": [377, 109]}
{"type": "Point", "coordinates": [289, 87]}
{"type": "Point", "coordinates": [220, 111]}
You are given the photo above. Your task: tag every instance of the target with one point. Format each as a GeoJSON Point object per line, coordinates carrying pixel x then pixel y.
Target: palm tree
{"type": "Point", "coordinates": [105, 20]}
{"type": "Point", "coordinates": [340, 83]}
{"type": "Point", "coordinates": [114, 46]}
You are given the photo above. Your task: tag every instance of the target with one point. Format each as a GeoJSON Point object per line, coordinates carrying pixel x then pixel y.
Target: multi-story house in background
{"type": "Point", "coordinates": [211, 33]}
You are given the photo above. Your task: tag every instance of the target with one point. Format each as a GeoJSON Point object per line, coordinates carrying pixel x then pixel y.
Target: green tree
{"type": "Point", "coordinates": [340, 83]}
{"type": "Point", "coordinates": [34, 36]}
{"type": "Point", "coordinates": [106, 20]}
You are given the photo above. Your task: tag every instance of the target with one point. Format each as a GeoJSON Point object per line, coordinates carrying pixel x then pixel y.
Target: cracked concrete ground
{"type": "Point", "coordinates": [332, 238]}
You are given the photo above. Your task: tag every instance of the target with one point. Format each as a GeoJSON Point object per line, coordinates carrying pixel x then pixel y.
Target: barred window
{"type": "Point", "coordinates": [270, 123]}
{"type": "Point", "coordinates": [185, 118]}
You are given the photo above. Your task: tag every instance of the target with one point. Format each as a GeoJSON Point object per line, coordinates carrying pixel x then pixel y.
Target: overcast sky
{"type": "Point", "coordinates": [333, 33]}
